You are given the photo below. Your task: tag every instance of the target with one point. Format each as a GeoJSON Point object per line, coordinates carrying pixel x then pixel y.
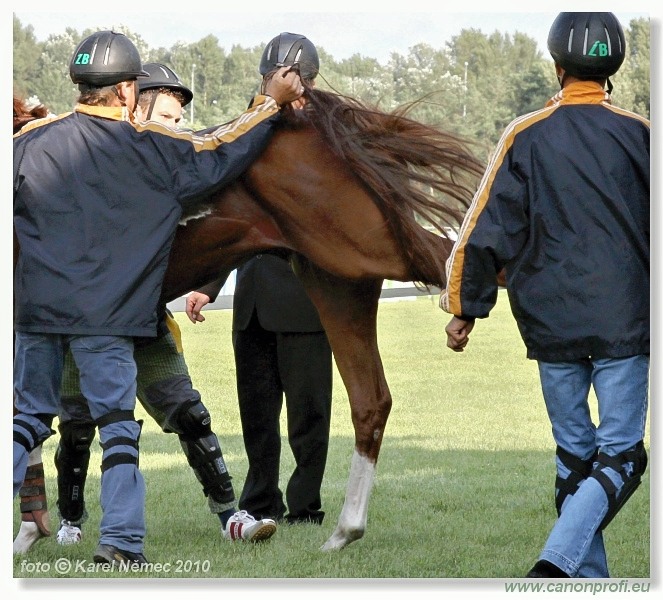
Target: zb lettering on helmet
{"type": "Point", "coordinates": [82, 59]}
{"type": "Point", "coordinates": [600, 47]}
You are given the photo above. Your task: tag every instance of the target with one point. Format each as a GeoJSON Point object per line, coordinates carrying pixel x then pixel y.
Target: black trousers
{"type": "Point", "coordinates": [270, 365]}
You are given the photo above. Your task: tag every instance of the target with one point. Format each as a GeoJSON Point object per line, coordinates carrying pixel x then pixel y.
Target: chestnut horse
{"type": "Point", "coordinates": [344, 191]}
{"type": "Point", "coordinates": [353, 196]}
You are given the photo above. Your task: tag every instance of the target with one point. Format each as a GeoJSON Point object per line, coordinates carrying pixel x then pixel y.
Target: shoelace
{"type": "Point", "coordinates": [66, 523]}
{"type": "Point", "coordinates": [245, 517]}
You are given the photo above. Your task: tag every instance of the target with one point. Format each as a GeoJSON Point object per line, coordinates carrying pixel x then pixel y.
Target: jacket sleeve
{"type": "Point", "coordinates": [213, 288]}
{"type": "Point", "coordinates": [202, 163]}
{"type": "Point", "coordinates": [493, 232]}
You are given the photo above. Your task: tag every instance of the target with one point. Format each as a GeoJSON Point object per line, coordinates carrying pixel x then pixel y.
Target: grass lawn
{"type": "Point", "coordinates": [464, 486]}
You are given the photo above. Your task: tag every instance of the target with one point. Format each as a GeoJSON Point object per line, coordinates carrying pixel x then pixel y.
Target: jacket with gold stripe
{"type": "Point", "coordinates": [97, 199]}
{"type": "Point", "coordinates": [564, 207]}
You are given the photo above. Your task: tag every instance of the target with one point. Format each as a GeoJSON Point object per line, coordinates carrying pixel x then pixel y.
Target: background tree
{"type": "Point", "coordinates": [239, 80]}
{"type": "Point", "coordinates": [26, 54]}
{"type": "Point", "coordinates": [52, 84]}
{"type": "Point", "coordinates": [632, 81]}
{"type": "Point", "coordinates": [473, 85]}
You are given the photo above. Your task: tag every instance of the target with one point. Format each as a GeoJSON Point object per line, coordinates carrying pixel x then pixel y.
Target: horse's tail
{"type": "Point", "coordinates": [418, 174]}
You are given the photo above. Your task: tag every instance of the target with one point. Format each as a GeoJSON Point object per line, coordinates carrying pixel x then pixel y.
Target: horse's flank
{"type": "Point", "coordinates": [417, 174]}
{"type": "Point", "coordinates": [348, 187]}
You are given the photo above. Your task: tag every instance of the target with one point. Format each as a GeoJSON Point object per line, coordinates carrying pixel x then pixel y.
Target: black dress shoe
{"type": "Point", "coordinates": [306, 519]}
{"type": "Point", "coordinates": [547, 570]}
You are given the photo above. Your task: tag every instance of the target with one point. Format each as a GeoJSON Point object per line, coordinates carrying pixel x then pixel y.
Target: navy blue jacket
{"type": "Point", "coordinates": [97, 199]}
{"type": "Point", "coordinates": [564, 207]}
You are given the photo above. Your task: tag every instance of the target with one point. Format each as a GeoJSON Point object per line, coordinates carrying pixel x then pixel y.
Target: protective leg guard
{"type": "Point", "coordinates": [580, 470]}
{"type": "Point", "coordinates": [71, 461]}
{"type": "Point", "coordinates": [204, 456]}
{"type": "Point", "coordinates": [25, 430]}
{"type": "Point", "coordinates": [110, 460]}
{"type": "Point", "coordinates": [630, 465]}
{"type": "Point", "coordinates": [30, 432]}
{"type": "Point", "coordinates": [35, 523]}
{"type": "Point", "coordinates": [34, 506]}
{"type": "Point", "coordinates": [122, 497]}
{"type": "Point", "coordinates": [203, 452]}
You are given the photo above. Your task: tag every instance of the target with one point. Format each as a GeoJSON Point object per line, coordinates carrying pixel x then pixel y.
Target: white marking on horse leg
{"type": "Point", "coordinates": [352, 521]}
{"type": "Point", "coordinates": [27, 536]}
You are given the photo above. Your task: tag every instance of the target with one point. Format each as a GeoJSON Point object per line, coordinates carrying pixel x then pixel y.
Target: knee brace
{"type": "Point", "coordinates": [579, 471]}
{"type": "Point", "coordinates": [630, 465]}
{"type": "Point", "coordinates": [72, 457]}
{"type": "Point", "coordinates": [203, 451]}
{"type": "Point", "coordinates": [109, 461]}
{"type": "Point", "coordinates": [34, 438]}
{"type": "Point", "coordinates": [192, 419]}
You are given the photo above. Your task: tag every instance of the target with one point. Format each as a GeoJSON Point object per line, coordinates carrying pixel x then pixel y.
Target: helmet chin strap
{"type": "Point", "coordinates": [155, 95]}
{"type": "Point", "coordinates": [136, 93]}
{"type": "Point", "coordinates": [122, 101]}
{"type": "Point", "coordinates": [560, 77]}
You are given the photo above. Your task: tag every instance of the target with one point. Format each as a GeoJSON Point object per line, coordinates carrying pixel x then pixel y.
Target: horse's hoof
{"type": "Point", "coordinates": [28, 535]}
{"type": "Point", "coordinates": [333, 544]}
{"type": "Point", "coordinates": [340, 540]}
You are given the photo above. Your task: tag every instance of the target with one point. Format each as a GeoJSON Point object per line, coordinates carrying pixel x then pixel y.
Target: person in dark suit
{"type": "Point", "coordinates": [280, 349]}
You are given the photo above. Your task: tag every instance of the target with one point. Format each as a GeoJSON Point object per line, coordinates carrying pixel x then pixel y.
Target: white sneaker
{"type": "Point", "coordinates": [242, 526]}
{"type": "Point", "coordinates": [68, 534]}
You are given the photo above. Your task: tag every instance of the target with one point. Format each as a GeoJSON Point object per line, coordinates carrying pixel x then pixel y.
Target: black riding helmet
{"type": "Point", "coordinates": [587, 44]}
{"type": "Point", "coordinates": [288, 49]}
{"type": "Point", "coordinates": [105, 58]}
{"type": "Point", "coordinates": [160, 76]}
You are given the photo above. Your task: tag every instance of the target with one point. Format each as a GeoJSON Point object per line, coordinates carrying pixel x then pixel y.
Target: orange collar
{"type": "Point", "coordinates": [116, 113]}
{"type": "Point", "coordinates": [580, 92]}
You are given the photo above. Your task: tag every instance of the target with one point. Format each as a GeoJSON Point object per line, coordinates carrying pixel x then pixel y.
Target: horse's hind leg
{"type": "Point", "coordinates": [348, 311]}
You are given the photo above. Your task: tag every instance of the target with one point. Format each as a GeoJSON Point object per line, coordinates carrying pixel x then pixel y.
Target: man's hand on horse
{"type": "Point", "coordinates": [195, 302]}
{"type": "Point", "coordinates": [285, 86]}
{"type": "Point", "coordinates": [458, 333]}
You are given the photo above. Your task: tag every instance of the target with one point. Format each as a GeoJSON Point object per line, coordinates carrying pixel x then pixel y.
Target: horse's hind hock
{"type": "Point", "coordinates": [352, 521]}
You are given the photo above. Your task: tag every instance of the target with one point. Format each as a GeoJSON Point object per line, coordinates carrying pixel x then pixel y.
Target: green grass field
{"type": "Point", "coordinates": [464, 486]}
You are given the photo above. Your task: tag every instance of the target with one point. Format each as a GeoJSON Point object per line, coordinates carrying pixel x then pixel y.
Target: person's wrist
{"type": "Point", "coordinates": [466, 318]}
{"type": "Point", "coordinates": [278, 104]}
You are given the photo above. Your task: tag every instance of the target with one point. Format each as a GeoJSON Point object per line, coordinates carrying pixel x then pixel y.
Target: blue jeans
{"type": "Point", "coordinates": [575, 543]}
{"type": "Point", "coordinates": [108, 381]}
